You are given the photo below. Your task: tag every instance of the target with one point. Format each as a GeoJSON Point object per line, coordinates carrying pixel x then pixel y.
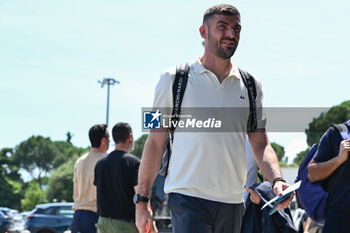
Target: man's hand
{"type": "Point", "coordinates": [254, 197]}
{"type": "Point", "coordinates": [344, 150]}
{"type": "Point", "coordinates": [144, 215]}
{"type": "Point", "coordinates": [278, 189]}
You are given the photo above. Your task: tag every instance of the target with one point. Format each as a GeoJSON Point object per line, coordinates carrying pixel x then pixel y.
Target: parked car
{"type": "Point", "coordinates": [9, 215]}
{"type": "Point", "coordinates": [4, 223]}
{"type": "Point", "coordinates": [50, 218]}
{"type": "Point", "coordinates": [18, 223]}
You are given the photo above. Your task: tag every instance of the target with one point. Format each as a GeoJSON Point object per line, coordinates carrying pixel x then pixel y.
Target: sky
{"type": "Point", "coordinates": [52, 54]}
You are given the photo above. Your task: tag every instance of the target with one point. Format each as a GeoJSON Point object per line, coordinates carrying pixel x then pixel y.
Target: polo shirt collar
{"type": "Point", "coordinates": [96, 153]}
{"type": "Point", "coordinates": [198, 68]}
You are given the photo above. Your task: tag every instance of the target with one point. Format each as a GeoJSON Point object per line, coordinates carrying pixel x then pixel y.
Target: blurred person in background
{"type": "Point", "coordinates": [84, 192]}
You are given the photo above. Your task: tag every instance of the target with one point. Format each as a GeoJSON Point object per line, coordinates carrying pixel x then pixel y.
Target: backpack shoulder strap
{"type": "Point", "coordinates": [343, 130]}
{"type": "Point", "coordinates": [179, 87]}
{"type": "Point", "coordinates": [249, 83]}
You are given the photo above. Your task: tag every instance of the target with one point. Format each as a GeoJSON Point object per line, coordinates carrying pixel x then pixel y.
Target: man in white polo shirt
{"type": "Point", "coordinates": [207, 170]}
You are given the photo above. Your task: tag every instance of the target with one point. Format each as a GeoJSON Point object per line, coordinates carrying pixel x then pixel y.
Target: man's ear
{"type": "Point", "coordinates": [103, 141]}
{"type": "Point", "coordinates": [203, 30]}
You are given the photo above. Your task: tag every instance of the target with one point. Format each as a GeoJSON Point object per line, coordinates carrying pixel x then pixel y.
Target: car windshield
{"type": "Point", "coordinates": [2, 214]}
{"type": "Point", "coordinates": [6, 212]}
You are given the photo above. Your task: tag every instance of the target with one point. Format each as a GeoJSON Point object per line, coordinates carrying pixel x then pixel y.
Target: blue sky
{"type": "Point", "coordinates": [52, 53]}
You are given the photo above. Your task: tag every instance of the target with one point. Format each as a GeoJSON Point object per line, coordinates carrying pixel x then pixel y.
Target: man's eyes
{"type": "Point", "coordinates": [237, 29]}
{"type": "Point", "coordinates": [224, 27]}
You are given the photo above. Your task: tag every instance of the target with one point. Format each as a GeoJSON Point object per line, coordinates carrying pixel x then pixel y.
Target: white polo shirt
{"type": "Point", "coordinates": [209, 165]}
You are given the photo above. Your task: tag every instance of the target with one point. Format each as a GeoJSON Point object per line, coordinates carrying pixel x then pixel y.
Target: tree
{"type": "Point", "coordinates": [36, 154]}
{"type": "Point", "coordinates": [279, 152]}
{"type": "Point", "coordinates": [10, 181]}
{"type": "Point", "coordinates": [337, 114]}
{"type": "Point", "coordinates": [33, 196]}
{"type": "Point", "coordinates": [69, 136]}
{"type": "Point", "coordinates": [65, 151]}
{"type": "Point", "coordinates": [299, 158]}
{"type": "Point", "coordinates": [319, 125]}
{"type": "Point", "coordinates": [139, 144]}
{"type": "Point", "coordinates": [60, 186]}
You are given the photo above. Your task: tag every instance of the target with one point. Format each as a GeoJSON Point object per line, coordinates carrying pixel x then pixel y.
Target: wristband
{"type": "Point", "coordinates": [276, 180]}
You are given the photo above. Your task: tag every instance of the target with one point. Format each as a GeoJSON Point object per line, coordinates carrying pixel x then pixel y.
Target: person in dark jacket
{"type": "Point", "coordinates": [332, 155]}
{"type": "Point", "coordinates": [256, 220]}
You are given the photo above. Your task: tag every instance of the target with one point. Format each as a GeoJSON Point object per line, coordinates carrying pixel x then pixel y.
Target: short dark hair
{"type": "Point", "coordinates": [221, 9]}
{"type": "Point", "coordinates": [96, 133]}
{"type": "Point", "coordinates": [121, 132]}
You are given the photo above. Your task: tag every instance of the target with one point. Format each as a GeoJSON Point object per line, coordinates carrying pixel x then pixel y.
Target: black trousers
{"type": "Point", "coordinates": [84, 222]}
{"type": "Point", "coordinates": [191, 214]}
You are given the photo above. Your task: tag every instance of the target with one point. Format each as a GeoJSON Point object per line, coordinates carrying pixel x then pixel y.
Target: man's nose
{"type": "Point", "coordinates": [231, 33]}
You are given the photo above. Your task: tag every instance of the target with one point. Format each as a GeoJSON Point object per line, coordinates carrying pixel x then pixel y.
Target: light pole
{"type": "Point", "coordinates": [108, 81]}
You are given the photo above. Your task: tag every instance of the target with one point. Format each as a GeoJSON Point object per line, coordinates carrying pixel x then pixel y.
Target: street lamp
{"type": "Point", "coordinates": [108, 81]}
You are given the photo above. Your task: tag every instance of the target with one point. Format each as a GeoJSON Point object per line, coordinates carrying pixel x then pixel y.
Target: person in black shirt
{"type": "Point", "coordinates": [116, 180]}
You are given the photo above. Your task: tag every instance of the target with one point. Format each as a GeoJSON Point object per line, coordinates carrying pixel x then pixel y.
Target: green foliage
{"type": "Point", "coordinates": [44, 180]}
{"type": "Point", "coordinates": [36, 152]}
{"type": "Point", "coordinates": [299, 158]}
{"type": "Point", "coordinates": [283, 164]}
{"type": "Point", "coordinates": [335, 115]}
{"type": "Point", "coordinates": [33, 196]}
{"type": "Point", "coordinates": [260, 176]}
{"type": "Point", "coordinates": [319, 125]}
{"type": "Point", "coordinates": [10, 182]}
{"type": "Point", "coordinates": [4, 161]}
{"type": "Point", "coordinates": [279, 152]}
{"type": "Point", "coordinates": [8, 167]}
{"type": "Point", "coordinates": [10, 194]}
{"type": "Point", "coordinates": [139, 144]}
{"type": "Point", "coordinates": [60, 186]}
{"type": "Point", "coordinates": [66, 151]}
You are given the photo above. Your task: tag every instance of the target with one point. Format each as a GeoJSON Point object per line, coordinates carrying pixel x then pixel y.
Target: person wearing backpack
{"type": "Point", "coordinates": [332, 154]}
{"type": "Point", "coordinates": [207, 171]}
